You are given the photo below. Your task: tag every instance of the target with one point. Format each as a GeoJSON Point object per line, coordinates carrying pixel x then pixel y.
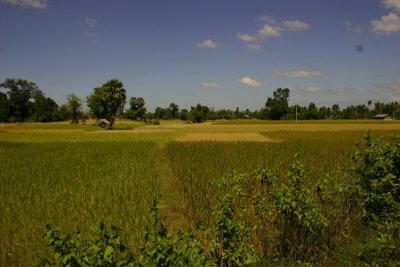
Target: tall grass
{"type": "Point", "coordinates": [78, 176]}
{"type": "Point", "coordinates": [327, 157]}
{"type": "Point", "coordinates": [196, 164]}
{"type": "Point", "coordinates": [71, 185]}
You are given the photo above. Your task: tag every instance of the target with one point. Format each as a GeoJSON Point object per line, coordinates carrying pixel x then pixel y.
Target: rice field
{"type": "Point", "coordinates": [75, 176]}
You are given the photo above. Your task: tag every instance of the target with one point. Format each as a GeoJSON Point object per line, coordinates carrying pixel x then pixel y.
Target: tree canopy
{"type": "Point", "coordinates": [74, 107]}
{"type": "Point", "coordinates": [137, 109]}
{"type": "Point", "coordinates": [107, 101]}
{"type": "Point", "coordinates": [277, 106]}
{"type": "Point", "coordinates": [19, 95]}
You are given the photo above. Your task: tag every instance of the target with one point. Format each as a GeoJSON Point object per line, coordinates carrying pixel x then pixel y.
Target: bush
{"type": "Point", "coordinates": [300, 220]}
{"type": "Point", "coordinates": [378, 175]}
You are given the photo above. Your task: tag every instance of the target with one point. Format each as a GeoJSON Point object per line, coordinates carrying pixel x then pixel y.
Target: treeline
{"type": "Point", "coordinates": [25, 101]}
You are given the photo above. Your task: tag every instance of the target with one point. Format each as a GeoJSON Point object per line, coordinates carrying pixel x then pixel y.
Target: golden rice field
{"type": "Point", "coordinates": [75, 176]}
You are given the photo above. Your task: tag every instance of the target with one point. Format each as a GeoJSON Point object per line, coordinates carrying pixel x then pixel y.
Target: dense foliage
{"type": "Point", "coordinates": [107, 101]}
{"type": "Point", "coordinates": [24, 101]}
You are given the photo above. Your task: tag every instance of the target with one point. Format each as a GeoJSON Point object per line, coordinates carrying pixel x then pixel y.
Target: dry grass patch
{"type": "Point", "coordinates": [224, 137]}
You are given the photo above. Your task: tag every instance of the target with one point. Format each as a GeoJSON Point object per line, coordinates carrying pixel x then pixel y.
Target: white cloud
{"type": "Point", "coordinates": [208, 44]}
{"type": "Point", "coordinates": [267, 19]}
{"type": "Point", "coordinates": [92, 23]}
{"type": "Point", "coordinates": [387, 24]}
{"type": "Point", "coordinates": [270, 31]}
{"type": "Point", "coordinates": [27, 3]}
{"type": "Point", "coordinates": [296, 25]}
{"type": "Point", "coordinates": [254, 46]}
{"type": "Point", "coordinates": [389, 4]}
{"type": "Point", "coordinates": [247, 37]}
{"type": "Point", "coordinates": [210, 85]}
{"type": "Point", "coordinates": [250, 82]}
{"type": "Point", "coordinates": [297, 74]}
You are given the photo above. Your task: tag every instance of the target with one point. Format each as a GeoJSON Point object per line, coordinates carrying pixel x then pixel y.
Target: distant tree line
{"type": "Point", "coordinates": [25, 101]}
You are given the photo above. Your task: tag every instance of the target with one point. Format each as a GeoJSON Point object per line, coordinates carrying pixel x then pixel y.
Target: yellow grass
{"type": "Point", "coordinates": [224, 137]}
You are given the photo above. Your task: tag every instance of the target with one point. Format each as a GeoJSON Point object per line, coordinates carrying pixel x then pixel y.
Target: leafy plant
{"type": "Point", "coordinates": [230, 246]}
{"type": "Point", "coordinates": [300, 219]}
{"type": "Point", "coordinates": [161, 249]}
{"type": "Point", "coordinates": [105, 249]}
{"type": "Point", "coordinates": [378, 173]}
{"type": "Point", "coordinates": [378, 176]}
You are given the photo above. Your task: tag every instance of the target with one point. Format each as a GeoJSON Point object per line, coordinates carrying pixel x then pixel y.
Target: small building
{"type": "Point", "coordinates": [103, 123]}
{"type": "Point", "coordinates": [383, 117]}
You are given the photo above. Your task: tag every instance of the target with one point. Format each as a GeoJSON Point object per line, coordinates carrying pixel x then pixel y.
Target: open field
{"type": "Point", "coordinates": [74, 176]}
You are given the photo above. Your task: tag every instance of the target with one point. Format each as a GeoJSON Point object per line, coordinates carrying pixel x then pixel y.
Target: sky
{"type": "Point", "coordinates": [223, 54]}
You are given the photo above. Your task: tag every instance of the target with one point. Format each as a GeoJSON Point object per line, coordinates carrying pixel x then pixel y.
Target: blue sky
{"type": "Point", "coordinates": [223, 54]}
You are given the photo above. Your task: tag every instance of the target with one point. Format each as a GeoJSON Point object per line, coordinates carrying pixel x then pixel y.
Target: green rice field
{"type": "Point", "coordinates": [76, 176]}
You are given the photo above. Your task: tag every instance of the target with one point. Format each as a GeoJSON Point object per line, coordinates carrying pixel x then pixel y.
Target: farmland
{"type": "Point", "coordinates": [77, 175]}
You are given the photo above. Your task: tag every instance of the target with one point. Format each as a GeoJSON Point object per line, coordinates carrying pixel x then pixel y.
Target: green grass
{"type": "Point", "coordinates": [254, 121]}
{"type": "Point", "coordinates": [71, 185]}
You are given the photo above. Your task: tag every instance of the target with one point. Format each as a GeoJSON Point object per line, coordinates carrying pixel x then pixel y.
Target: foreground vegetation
{"type": "Point", "coordinates": [277, 209]}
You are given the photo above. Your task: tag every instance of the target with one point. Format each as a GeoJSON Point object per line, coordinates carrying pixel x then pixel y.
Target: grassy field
{"type": "Point", "coordinates": [75, 176]}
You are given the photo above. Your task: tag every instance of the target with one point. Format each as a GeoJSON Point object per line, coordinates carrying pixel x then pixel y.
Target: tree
{"type": "Point", "coordinates": [184, 114]}
{"type": "Point", "coordinates": [199, 113]}
{"type": "Point", "coordinates": [4, 107]}
{"type": "Point", "coordinates": [74, 108]}
{"type": "Point", "coordinates": [107, 101]}
{"type": "Point", "coordinates": [44, 109]}
{"type": "Point", "coordinates": [20, 93]}
{"type": "Point", "coordinates": [137, 109]}
{"type": "Point", "coordinates": [174, 109]}
{"type": "Point", "coordinates": [336, 111]}
{"type": "Point", "coordinates": [313, 113]}
{"type": "Point", "coordinates": [277, 107]}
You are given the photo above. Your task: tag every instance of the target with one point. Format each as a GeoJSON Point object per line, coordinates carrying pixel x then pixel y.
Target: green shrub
{"type": "Point", "coordinates": [105, 249]}
{"type": "Point", "coordinates": [378, 174]}
{"type": "Point", "coordinates": [301, 223]}
{"type": "Point", "coordinates": [162, 249]}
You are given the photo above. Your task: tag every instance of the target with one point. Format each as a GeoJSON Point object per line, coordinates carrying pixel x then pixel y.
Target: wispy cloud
{"type": "Point", "coordinates": [272, 29]}
{"type": "Point", "coordinates": [210, 85]}
{"type": "Point", "coordinates": [254, 46]}
{"type": "Point", "coordinates": [91, 22]}
{"type": "Point", "coordinates": [353, 28]}
{"type": "Point", "coordinates": [296, 25]}
{"type": "Point", "coordinates": [208, 44]}
{"type": "Point", "coordinates": [391, 4]}
{"type": "Point", "coordinates": [88, 35]}
{"type": "Point", "coordinates": [380, 88]}
{"type": "Point", "coordinates": [247, 37]}
{"type": "Point", "coordinates": [27, 3]}
{"type": "Point", "coordinates": [309, 89]}
{"type": "Point", "coordinates": [246, 80]}
{"type": "Point", "coordinates": [297, 74]}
